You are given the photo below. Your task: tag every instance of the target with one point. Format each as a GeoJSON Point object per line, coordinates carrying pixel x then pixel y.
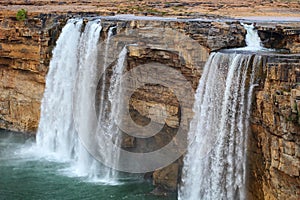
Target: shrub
{"type": "Point", "coordinates": [21, 15]}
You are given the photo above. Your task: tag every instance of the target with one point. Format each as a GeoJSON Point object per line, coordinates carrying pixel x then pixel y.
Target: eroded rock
{"type": "Point", "coordinates": [274, 144]}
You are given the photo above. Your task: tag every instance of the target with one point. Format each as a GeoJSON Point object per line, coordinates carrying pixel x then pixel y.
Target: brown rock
{"type": "Point", "coordinates": [276, 131]}
{"type": "Point", "coordinates": [167, 177]}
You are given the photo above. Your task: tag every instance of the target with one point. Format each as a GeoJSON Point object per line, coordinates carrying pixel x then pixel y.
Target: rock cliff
{"type": "Point", "coordinates": [274, 159]}
{"type": "Point", "coordinates": [25, 52]}
{"type": "Point", "coordinates": [283, 36]}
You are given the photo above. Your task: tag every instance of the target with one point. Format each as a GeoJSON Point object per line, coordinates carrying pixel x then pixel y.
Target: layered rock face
{"type": "Point", "coordinates": [183, 48]}
{"type": "Point", "coordinates": [274, 156]}
{"type": "Point", "coordinates": [283, 36]}
{"type": "Point", "coordinates": [25, 51]}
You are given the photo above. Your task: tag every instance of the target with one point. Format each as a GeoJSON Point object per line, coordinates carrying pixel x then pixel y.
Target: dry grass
{"type": "Point", "coordinates": [231, 8]}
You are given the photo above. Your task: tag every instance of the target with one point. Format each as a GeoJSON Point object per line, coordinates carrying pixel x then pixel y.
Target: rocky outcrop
{"type": "Point", "coordinates": [26, 48]}
{"type": "Point", "coordinates": [274, 157]}
{"type": "Point", "coordinates": [281, 36]}
{"type": "Point", "coordinates": [183, 48]}
{"type": "Point", "coordinates": [213, 36]}
{"type": "Point", "coordinates": [25, 51]}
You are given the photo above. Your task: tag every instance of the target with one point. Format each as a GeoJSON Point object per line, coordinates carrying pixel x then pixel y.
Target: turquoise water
{"type": "Point", "coordinates": [25, 176]}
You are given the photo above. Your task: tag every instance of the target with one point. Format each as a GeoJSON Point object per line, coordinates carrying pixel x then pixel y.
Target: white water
{"type": "Point", "coordinates": [56, 133]}
{"type": "Point", "coordinates": [108, 114]}
{"type": "Point", "coordinates": [83, 92]}
{"type": "Point", "coordinates": [253, 41]}
{"type": "Point", "coordinates": [215, 163]}
{"type": "Point", "coordinates": [84, 108]}
{"type": "Point", "coordinates": [214, 167]}
{"type": "Point", "coordinates": [74, 59]}
{"type": "Point", "coordinates": [70, 87]}
{"type": "Point", "coordinates": [103, 103]}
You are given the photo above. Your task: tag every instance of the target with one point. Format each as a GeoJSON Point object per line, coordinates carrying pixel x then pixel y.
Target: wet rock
{"type": "Point", "coordinates": [158, 191]}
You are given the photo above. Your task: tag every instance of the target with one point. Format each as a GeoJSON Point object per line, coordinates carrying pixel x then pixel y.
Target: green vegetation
{"type": "Point", "coordinates": [21, 15]}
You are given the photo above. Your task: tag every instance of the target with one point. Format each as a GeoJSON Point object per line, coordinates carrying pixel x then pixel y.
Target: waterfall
{"type": "Point", "coordinates": [215, 163]}
{"type": "Point", "coordinates": [83, 92]}
{"type": "Point", "coordinates": [56, 132]}
{"type": "Point", "coordinates": [214, 167]}
{"type": "Point", "coordinates": [67, 107]}
{"type": "Point", "coordinates": [108, 114]}
{"type": "Point", "coordinates": [253, 41]}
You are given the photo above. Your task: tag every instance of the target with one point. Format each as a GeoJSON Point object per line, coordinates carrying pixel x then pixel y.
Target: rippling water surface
{"type": "Point", "coordinates": [26, 176]}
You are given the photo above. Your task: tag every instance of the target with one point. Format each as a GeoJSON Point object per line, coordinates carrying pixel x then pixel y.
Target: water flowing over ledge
{"type": "Point", "coordinates": [279, 69]}
{"type": "Point", "coordinates": [67, 122]}
{"type": "Point", "coordinates": [215, 164]}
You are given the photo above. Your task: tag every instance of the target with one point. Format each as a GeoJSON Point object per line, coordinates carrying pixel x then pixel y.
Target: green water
{"type": "Point", "coordinates": [24, 176]}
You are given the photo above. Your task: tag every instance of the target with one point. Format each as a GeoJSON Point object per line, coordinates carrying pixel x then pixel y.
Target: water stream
{"type": "Point", "coordinates": [215, 163]}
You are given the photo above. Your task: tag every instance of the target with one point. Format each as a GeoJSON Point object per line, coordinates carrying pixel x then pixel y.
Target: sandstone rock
{"type": "Point", "coordinates": [167, 177]}
{"type": "Point", "coordinates": [281, 36]}
{"type": "Point", "coordinates": [24, 59]}
{"type": "Point", "coordinates": [276, 130]}
{"type": "Point", "coordinates": [289, 165]}
{"type": "Point", "coordinates": [159, 191]}
{"type": "Point", "coordinates": [288, 148]}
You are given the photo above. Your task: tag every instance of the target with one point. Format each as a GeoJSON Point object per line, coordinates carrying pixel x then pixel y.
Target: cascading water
{"type": "Point", "coordinates": [214, 167]}
{"type": "Point", "coordinates": [109, 112]}
{"type": "Point", "coordinates": [56, 132]}
{"type": "Point", "coordinates": [83, 91]}
{"type": "Point", "coordinates": [252, 39]}
{"type": "Point", "coordinates": [215, 163]}
{"type": "Point", "coordinates": [67, 109]}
